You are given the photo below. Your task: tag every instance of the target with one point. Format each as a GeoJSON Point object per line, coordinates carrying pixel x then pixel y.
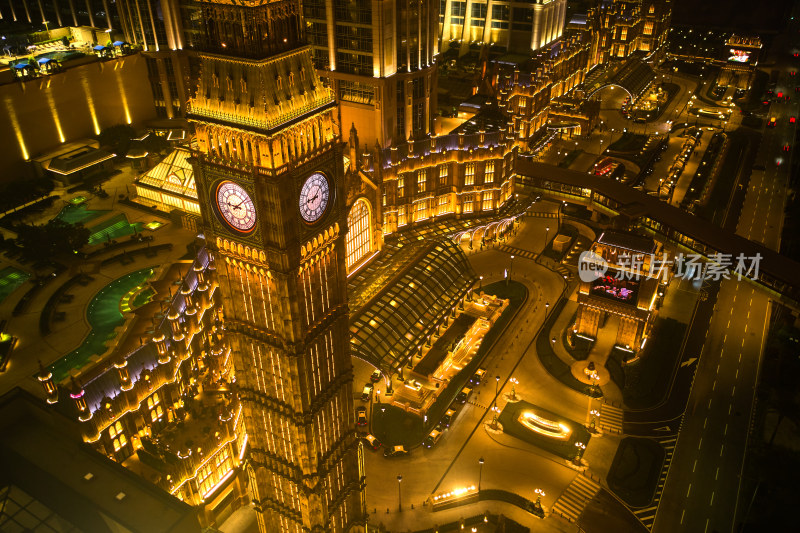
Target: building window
{"type": "Point", "coordinates": [457, 12]}
{"type": "Point", "coordinates": [353, 91]}
{"type": "Point", "coordinates": [623, 34]}
{"type": "Point", "coordinates": [354, 63]}
{"type": "Point", "coordinates": [443, 174]}
{"type": "Point", "coordinates": [358, 242]}
{"type": "Point", "coordinates": [648, 27]}
{"type": "Point", "coordinates": [422, 180]}
{"type": "Point", "coordinates": [401, 184]}
{"type": "Point", "coordinates": [500, 16]}
{"type": "Point", "coordinates": [523, 19]}
{"type": "Point", "coordinates": [117, 436]}
{"type": "Point", "coordinates": [213, 471]}
{"type": "Point", "coordinates": [401, 216]}
{"type": "Point", "coordinates": [467, 203]}
{"type": "Point", "coordinates": [154, 405]}
{"type": "Point", "coordinates": [489, 175]}
{"type": "Point", "coordinates": [443, 205]}
{"type": "Point", "coordinates": [478, 17]}
{"type": "Point", "coordinates": [421, 210]}
{"type": "Point", "coordinates": [469, 175]}
{"type": "Point", "coordinates": [487, 201]}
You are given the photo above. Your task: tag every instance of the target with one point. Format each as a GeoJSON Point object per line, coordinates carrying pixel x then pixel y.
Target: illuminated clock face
{"type": "Point", "coordinates": [314, 197]}
{"type": "Point", "coordinates": [236, 207]}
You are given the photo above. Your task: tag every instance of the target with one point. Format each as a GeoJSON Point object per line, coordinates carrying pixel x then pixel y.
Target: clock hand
{"type": "Point", "coordinates": [310, 200]}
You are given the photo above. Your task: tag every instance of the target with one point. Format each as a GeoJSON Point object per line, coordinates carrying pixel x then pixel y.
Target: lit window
{"type": "Point", "coordinates": [213, 471]}
{"type": "Point", "coordinates": [467, 203]}
{"type": "Point", "coordinates": [443, 205]}
{"type": "Point", "coordinates": [421, 210]}
{"type": "Point", "coordinates": [422, 180]}
{"type": "Point", "coordinates": [488, 203]}
{"type": "Point", "coordinates": [358, 241]}
{"type": "Point", "coordinates": [117, 436]}
{"type": "Point", "coordinates": [469, 176]}
{"type": "Point", "coordinates": [401, 183]}
{"type": "Point", "coordinates": [443, 173]}
{"type": "Point", "coordinates": [401, 215]}
{"type": "Point", "coordinates": [489, 176]}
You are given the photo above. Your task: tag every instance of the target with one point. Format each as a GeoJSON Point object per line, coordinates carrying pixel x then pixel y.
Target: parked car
{"type": "Point", "coordinates": [371, 441]}
{"type": "Point", "coordinates": [446, 419]}
{"type": "Point", "coordinates": [476, 379]}
{"type": "Point", "coordinates": [376, 376]}
{"type": "Point", "coordinates": [395, 451]}
{"type": "Point", "coordinates": [462, 396]}
{"type": "Point", "coordinates": [361, 416]}
{"type": "Point", "coordinates": [365, 394]}
{"type": "Point", "coordinates": [432, 439]}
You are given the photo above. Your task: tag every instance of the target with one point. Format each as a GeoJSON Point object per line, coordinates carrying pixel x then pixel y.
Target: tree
{"type": "Point", "coordinates": [50, 240]}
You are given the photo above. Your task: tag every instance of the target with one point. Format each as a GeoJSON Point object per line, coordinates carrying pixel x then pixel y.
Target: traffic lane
{"type": "Point", "coordinates": [675, 404]}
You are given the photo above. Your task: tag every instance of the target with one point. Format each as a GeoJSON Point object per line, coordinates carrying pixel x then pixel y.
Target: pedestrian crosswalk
{"type": "Point", "coordinates": [541, 214]}
{"type": "Point", "coordinates": [517, 252]}
{"type": "Point", "coordinates": [648, 515]}
{"type": "Point", "coordinates": [573, 501]}
{"type": "Point", "coordinates": [611, 418]}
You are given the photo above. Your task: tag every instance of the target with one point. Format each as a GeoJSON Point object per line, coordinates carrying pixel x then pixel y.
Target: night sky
{"type": "Point", "coordinates": [743, 15]}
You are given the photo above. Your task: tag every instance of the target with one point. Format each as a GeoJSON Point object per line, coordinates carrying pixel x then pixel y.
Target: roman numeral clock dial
{"type": "Point", "coordinates": [314, 197]}
{"type": "Point", "coordinates": [236, 207]}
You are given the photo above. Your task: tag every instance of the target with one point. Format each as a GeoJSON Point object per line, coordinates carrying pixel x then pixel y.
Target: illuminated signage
{"type": "Point", "coordinates": [739, 56]}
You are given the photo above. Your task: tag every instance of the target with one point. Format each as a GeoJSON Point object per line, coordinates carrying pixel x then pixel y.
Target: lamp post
{"type": "Point", "coordinates": [480, 472]}
{"type": "Point", "coordinates": [546, 237]}
{"type": "Point", "coordinates": [480, 284]}
{"type": "Point", "coordinates": [580, 448]}
{"type": "Point", "coordinates": [514, 383]}
{"type": "Point", "coordinates": [539, 495]}
{"type": "Point", "coordinates": [496, 386]}
{"type": "Point", "coordinates": [594, 413]}
{"type": "Point", "coordinates": [494, 411]}
{"type": "Point", "coordinates": [546, 308]}
{"type": "Point", "coordinates": [510, 268]}
{"type": "Point", "coordinates": [399, 493]}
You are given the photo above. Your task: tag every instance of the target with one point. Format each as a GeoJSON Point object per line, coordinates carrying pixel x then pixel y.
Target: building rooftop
{"type": "Point", "coordinates": [43, 462]}
{"type": "Point", "coordinates": [387, 329]}
{"type": "Point", "coordinates": [628, 241]}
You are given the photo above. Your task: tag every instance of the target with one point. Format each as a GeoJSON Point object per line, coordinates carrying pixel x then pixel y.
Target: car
{"type": "Point", "coordinates": [395, 451]}
{"type": "Point", "coordinates": [792, 120]}
{"type": "Point", "coordinates": [786, 147]}
{"type": "Point", "coordinates": [772, 122]}
{"type": "Point", "coordinates": [375, 376]}
{"type": "Point", "coordinates": [361, 416]}
{"type": "Point", "coordinates": [371, 441]}
{"type": "Point", "coordinates": [476, 379]}
{"type": "Point", "coordinates": [462, 396]}
{"type": "Point", "coordinates": [366, 393]}
{"type": "Point", "coordinates": [446, 419]}
{"type": "Point", "coordinates": [432, 439]}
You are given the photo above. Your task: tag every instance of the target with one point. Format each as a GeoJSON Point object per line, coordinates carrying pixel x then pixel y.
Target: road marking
{"type": "Point", "coordinates": [694, 465]}
{"type": "Point", "coordinates": [726, 429]}
{"type": "Point", "coordinates": [689, 490]}
{"type": "Point", "coordinates": [709, 403]}
{"type": "Point", "coordinates": [706, 529]}
{"type": "Point", "coordinates": [682, 513]}
{"type": "Point", "coordinates": [737, 371]}
{"type": "Point", "coordinates": [724, 338]}
{"type": "Point", "coordinates": [716, 476]}
{"type": "Point", "coordinates": [733, 392]}
{"type": "Point", "coordinates": [714, 387]}
{"type": "Point", "coordinates": [722, 449]}
{"type": "Point", "coordinates": [700, 444]}
{"type": "Point", "coordinates": [712, 499]}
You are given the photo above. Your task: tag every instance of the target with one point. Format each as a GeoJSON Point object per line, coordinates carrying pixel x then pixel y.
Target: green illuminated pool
{"type": "Point", "coordinates": [104, 316]}
{"type": "Point", "coordinates": [10, 279]}
{"type": "Point", "coordinates": [78, 214]}
{"type": "Point", "coordinates": [113, 228]}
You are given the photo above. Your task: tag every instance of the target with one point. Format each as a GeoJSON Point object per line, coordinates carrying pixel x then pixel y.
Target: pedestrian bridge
{"type": "Point", "coordinates": [777, 273]}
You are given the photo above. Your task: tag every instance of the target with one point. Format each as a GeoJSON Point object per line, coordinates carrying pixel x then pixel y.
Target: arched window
{"type": "Point", "coordinates": [358, 242]}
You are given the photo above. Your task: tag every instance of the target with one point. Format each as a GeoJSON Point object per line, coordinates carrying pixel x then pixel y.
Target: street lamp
{"type": "Point", "coordinates": [594, 413]}
{"type": "Point", "coordinates": [546, 236]}
{"type": "Point", "coordinates": [496, 385]}
{"type": "Point", "coordinates": [580, 448]}
{"type": "Point", "coordinates": [546, 308]}
{"type": "Point", "coordinates": [399, 494]}
{"type": "Point", "coordinates": [480, 284]}
{"type": "Point", "coordinates": [510, 268]}
{"type": "Point", "coordinates": [539, 495]}
{"type": "Point", "coordinates": [514, 383]}
{"type": "Point", "coordinates": [480, 473]}
{"type": "Point", "coordinates": [494, 410]}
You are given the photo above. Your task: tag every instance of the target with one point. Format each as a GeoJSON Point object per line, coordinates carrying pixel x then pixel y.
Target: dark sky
{"type": "Point", "coordinates": [742, 15]}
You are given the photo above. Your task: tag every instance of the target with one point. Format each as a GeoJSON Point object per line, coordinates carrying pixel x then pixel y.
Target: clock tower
{"type": "Point", "coordinates": [269, 172]}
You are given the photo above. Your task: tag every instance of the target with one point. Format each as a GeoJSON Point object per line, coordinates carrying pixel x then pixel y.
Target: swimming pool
{"type": "Point", "coordinates": [62, 56]}
{"type": "Point", "coordinates": [113, 228]}
{"type": "Point", "coordinates": [104, 316]}
{"type": "Point", "coordinates": [77, 214]}
{"type": "Point", "coordinates": [10, 279]}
